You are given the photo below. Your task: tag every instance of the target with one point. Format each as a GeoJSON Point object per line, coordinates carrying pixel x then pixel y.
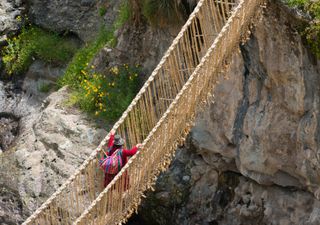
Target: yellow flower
{"type": "Point", "coordinates": [97, 113]}
{"type": "Point", "coordinates": [92, 67]}
{"type": "Point", "coordinates": [115, 70]}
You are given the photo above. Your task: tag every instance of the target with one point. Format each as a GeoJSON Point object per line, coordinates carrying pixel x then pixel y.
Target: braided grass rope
{"type": "Point", "coordinates": [160, 116]}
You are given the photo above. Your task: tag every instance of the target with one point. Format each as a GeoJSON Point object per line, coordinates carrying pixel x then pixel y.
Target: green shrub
{"type": "Point", "coordinates": [74, 73]}
{"type": "Point", "coordinates": [33, 43]}
{"type": "Point", "coordinates": [311, 7]}
{"type": "Point", "coordinates": [312, 32]}
{"type": "Point", "coordinates": [297, 3]}
{"type": "Point", "coordinates": [314, 9]}
{"type": "Point", "coordinates": [124, 14]}
{"type": "Point", "coordinates": [102, 10]}
{"type": "Point", "coordinates": [162, 12]}
{"type": "Point", "coordinates": [107, 96]}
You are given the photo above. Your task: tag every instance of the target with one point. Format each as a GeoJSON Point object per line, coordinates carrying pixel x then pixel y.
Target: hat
{"type": "Point", "coordinates": [118, 140]}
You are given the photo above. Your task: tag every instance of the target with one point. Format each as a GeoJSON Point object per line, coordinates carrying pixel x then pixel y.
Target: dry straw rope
{"type": "Point", "coordinates": [160, 116]}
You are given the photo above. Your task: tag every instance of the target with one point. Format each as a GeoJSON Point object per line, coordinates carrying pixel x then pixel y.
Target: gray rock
{"type": "Point", "coordinates": [259, 141]}
{"type": "Point", "coordinates": [9, 11]}
{"type": "Point", "coordinates": [78, 17]}
{"type": "Point", "coordinates": [267, 119]}
{"type": "Point", "coordinates": [10, 206]}
{"type": "Point", "coordinates": [53, 139]}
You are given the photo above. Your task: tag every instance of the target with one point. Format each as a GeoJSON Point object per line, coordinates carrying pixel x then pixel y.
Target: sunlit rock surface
{"type": "Point", "coordinates": [253, 156]}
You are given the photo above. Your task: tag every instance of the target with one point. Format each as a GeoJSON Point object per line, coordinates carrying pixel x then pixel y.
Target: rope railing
{"type": "Point", "coordinates": [159, 116]}
{"type": "Point", "coordinates": [112, 207]}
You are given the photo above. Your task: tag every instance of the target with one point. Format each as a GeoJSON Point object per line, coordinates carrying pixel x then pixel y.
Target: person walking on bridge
{"type": "Point", "coordinates": [116, 158]}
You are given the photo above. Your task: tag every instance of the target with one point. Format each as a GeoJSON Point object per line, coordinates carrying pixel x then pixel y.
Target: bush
{"type": "Point", "coordinates": [314, 9]}
{"type": "Point", "coordinates": [103, 95]}
{"type": "Point", "coordinates": [312, 32]}
{"type": "Point", "coordinates": [297, 3]}
{"type": "Point", "coordinates": [79, 63]}
{"type": "Point", "coordinates": [311, 7]}
{"type": "Point", "coordinates": [33, 43]}
{"type": "Point", "coordinates": [102, 10]}
{"type": "Point", "coordinates": [162, 12]}
{"type": "Point", "coordinates": [124, 14]}
{"type": "Point", "coordinates": [312, 35]}
{"type": "Point", "coordinates": [74, 73]}
{"type": "Point", "coordinates": [109, 95]}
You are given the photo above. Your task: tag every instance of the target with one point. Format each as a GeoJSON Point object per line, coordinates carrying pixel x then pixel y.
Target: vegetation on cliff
{"type": "Point", "coordinates": [35, 43]}
{"type": "Point", "coordinates": [164, 12]}
{"type": "Point", "coordinates": [103, 95]}
{"type": "Point", "coordinates": [312, 32]}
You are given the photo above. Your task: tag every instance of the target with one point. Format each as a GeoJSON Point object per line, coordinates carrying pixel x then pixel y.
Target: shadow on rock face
{"type": "Point", "coordinates": [9, 130]}
{"type": "Point", "coordinates": [10, 206]}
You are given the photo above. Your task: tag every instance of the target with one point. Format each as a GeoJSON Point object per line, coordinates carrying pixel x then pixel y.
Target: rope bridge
{"type": "Point", "coordinates": [159, 117]}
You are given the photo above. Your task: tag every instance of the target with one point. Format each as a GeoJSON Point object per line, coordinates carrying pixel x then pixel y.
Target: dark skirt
{"type": "Point", "coordinates": [109, 177]}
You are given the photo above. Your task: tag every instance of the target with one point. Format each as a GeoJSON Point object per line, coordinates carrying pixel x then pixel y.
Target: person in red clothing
{"type": "Point", "coordinates": [115, 143]}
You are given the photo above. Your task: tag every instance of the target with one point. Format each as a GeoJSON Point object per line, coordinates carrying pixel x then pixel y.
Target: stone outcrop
{"type": "Point", "coordinates": [10, 10]}
{"type": "Point", "coordinates": [53, 140]}
{"type": "Point", "coordinates": [194, 192]}
{"type": "Point", "coordinates": [253, 155]}
{"type": "Point", "coordinates": [266, 117]}
{"type": "Point", "coordinates": [78, 17]}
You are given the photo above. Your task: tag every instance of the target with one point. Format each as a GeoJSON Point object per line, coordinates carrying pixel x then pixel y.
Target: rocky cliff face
{"type": "Point", "coordinates": [10, 10]}
{"type": "Point", "coordinates": [42, 139]}
{"type": "Point", "coordinates": [253, 155]}
{"type": "Point", "coordinates": [78, 17]}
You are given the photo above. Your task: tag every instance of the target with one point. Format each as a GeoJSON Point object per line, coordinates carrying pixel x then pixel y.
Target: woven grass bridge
{"type": "Point", "coordinates": [159, 117]}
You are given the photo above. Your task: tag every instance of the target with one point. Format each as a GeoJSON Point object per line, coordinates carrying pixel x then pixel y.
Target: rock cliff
{"type": "Point", "coordinates": [252, 158]}
{"type": "Point", "coordinates": [10, 10]}
{"type": "Point", "coordinates": [253, 155]}
{"type": "Point", "coordinates": [50, 142]}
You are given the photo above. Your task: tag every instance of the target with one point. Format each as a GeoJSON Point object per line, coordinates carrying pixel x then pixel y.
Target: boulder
{"type": "Point", "coordinates": [9, 17]}
{"type": "Point", "coordinates": [77, 17]}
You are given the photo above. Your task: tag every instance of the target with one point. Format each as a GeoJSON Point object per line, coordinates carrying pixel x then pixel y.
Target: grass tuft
{"type": "Point", "coordinates": [34, 43]}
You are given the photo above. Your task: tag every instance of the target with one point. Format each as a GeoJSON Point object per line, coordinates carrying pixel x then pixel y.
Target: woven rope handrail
{"type": "Point", "coordinates": [154, 120]}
